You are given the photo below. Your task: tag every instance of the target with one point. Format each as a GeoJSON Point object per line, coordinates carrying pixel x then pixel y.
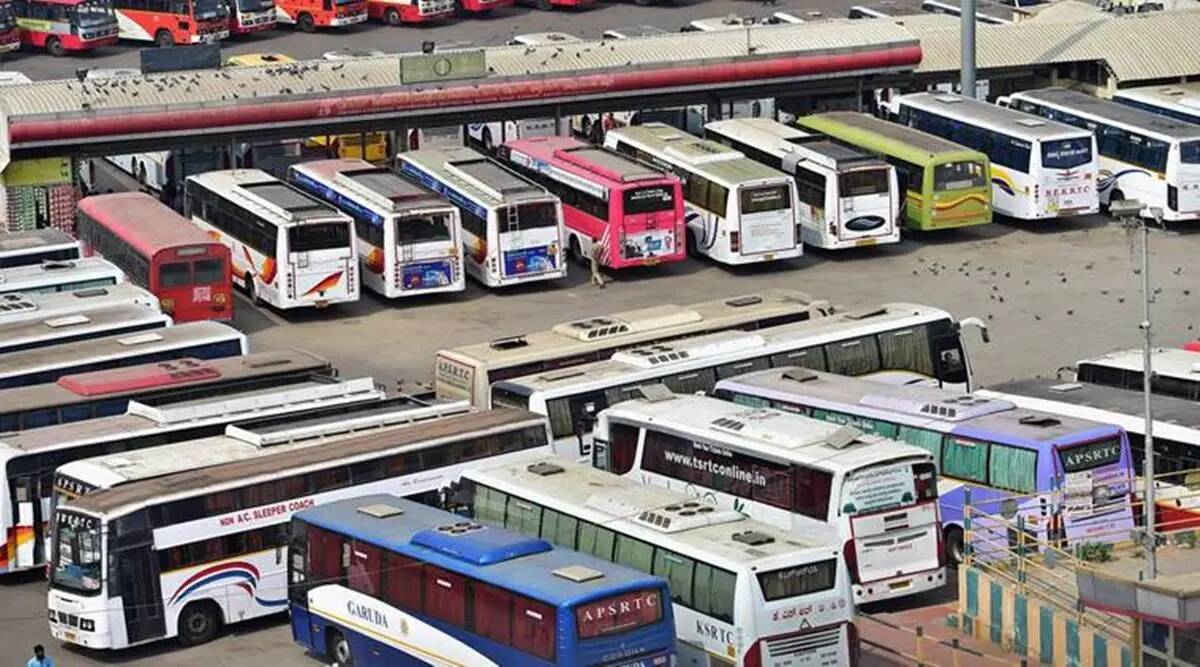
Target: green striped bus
{"type": "Point", "coordinates": [947, 184]}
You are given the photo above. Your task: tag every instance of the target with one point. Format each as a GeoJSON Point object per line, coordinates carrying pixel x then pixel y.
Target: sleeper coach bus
{"type": "Point", "coordinates": [787, 470]}
{"type": "Point", "coordinates": [1071, 479]}
{"type": "Point", "coordinates": [738, 211]}
{"type": "Point", "coordinates": [37, 246]}
{"type": "Point", "coordinates": [469, 370]}
{"type": "Point", "coordinates": [1040, 168]}
{"type": "Point", "coordinates": [512, 228]}
{"type": "Point", "coordinates": [326, 422]}
{"type": "Point", "coordinates": [29, 458]}
{"type": "Point", "coordinates": [170, 22]}
{"type": "Point", "coordinates": [632, 211]}
{"type": "Point", "coordinates": [421, 582]}
{"type": "Point", "coordinates": [204, 548]}
{"type": "Point", "coordinates": [900, 343]}
{"type": "Point", "coordinates": [161, 251]}
{"type": "Point", "coordinates": [288, 249]}
{"type": "Point", "coordinates": [945, 184]}
{"type": "Point", "coordinates": [745, 593]}
{"type": "Point", "coordinates": [409, 239]}
{"type": "Point", "coordinates": [104, 393]}
{"type": "Point", "coordinates": [66, 26]}
{"type": "Point", "coordinates": [17, 307]}
{"type": "Point", "coordinates": [848, 197]}
{"type": "Point", "coordinates": [60, 276]}
{"type": "Point", "coordinates": [1143, 155]}
{"type": "Point", "coordinates": [1174, 371]}
{"type": "Point", "coordinates": [201, 340]}
{"type": "Point", "coordinates": [75, 327]}
{"type": "Point", "coordinates": [308, 15]}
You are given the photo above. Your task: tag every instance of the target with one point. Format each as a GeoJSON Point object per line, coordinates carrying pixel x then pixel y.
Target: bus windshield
{"type": "Point", "coordinates": [320, 236]}
{"type": "Point", "coordinates": [92, 13]}
{"type": "Point", "coordinates": [887, 487]}
{"type": "Point", "coordinates": [765, 198]}
{"type": "Point", "coordinates": [618, 614]}
{"type": "Point", "coordinates": [863, 182]}
{"type": "Point", "coordinates": [1066, 153]}
{"type": "Point", "coordinates": [423, 228]}
{"type": "Point", "coordinates": [207, 10]}
{"type": "Point", "coordinates": [255, 5]}
{"type": "Point", "coordinates": [1091, 455]}
{"type": "Point", "coordinates": [7, 18]}
{"type": "Point", "coordinates": [1189, 152]}
{"type": "Point", "coordinates": [539, 214]}
{"type": "Point", "coordinates": [958, 176]}
{"type": "Point", "coordinates": [77, 561]}
{"type": "Point", "coordinates": [649, 199]}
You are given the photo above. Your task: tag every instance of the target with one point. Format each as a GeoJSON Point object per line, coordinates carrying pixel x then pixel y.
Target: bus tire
{"type": "Point", "coordinates": [54, 47]}
{"type": "Point", "coordinates": [251, 294]}
{"type": "Point", "coordinates": [544, 5]}
{"type": "Point", "coordinates": [141, 173]}
{"type": "Point", "coordinates": [574, 251]}
{"type": "Point", "coordinates": [339, 650]}
{"type": "Point", "coordinates": [1116, 195]}
{"type": "Point", "coordinates": [954, 546]}
{"type": "Point", "coordinates": [163, 39]}
{"type": "Point", "coordinates": [199, 622]}
{"type": "Point", "coordinates": [489, 145]}
{"type": "Point", "coordinates": [690, 242]}
{"type": "Point", "coordinates": [306, 23]}
{"type": "Point", "coordinates": [392, 16]}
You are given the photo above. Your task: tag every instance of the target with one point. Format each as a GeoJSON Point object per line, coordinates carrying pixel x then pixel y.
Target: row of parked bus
{"type": "Point", "coordinates": [177, 485]}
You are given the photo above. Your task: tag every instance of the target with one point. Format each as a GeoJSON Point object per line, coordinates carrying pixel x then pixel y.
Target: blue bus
{"type": "Point", "coordinates": [379, 580]}
{"type": "Point", "coordinates": [1070, 479]}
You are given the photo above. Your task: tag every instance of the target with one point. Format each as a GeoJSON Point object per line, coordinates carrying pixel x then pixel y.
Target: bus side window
{"type": "Point", "coordinates": [324, 556]}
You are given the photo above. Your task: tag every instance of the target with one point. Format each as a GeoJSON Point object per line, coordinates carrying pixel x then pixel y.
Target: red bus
{"type": "Point", "coordinates": [64, 26]}
{"type": "Point", "coordinates": [308, 15]}
{"type": "Point", "coordinates": [10, 34]}
{"type": "Point", "coordinates": [484, 6]}
{"type": "Point", "coordinates": [632, 209]}
{"type": "Point", "coordinates": [247, 16]}
{"type": "Point", "coordinates": [170, 22]}
{"type": "Point", "coordinates": [395, 12]}
{"type": "Point", "coordinates": [161, 251]}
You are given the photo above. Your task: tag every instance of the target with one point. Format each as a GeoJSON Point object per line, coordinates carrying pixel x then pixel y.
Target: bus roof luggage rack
{"type": "Point", "coordinates": [1045, 421]}
{"type": "Point", "coordinates": [508, 342]}
{"type": "Point", "coordinates": [743, 301]}
{"type": "Point", "coordinates": [752, 538]}
{"type": "Point", "coordinates": [380, 510]}
{"type": "Point", "coordinates": [800, 374]}
{"type": "Point", "coordinates": [865, 313]}
{"type": "Point", "coordinates": [844, 437]}
{"type": "Point", "coordinates": [544, 468]}
{"type": "Point", "coordinates": [578, 573]}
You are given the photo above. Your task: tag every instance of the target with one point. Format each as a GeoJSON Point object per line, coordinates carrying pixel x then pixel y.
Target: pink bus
{"type": "Point", "coordinates": [632, 209]}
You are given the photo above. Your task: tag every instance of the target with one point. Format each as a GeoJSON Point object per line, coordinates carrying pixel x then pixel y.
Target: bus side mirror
{"type": "Point", "coordinates": [980, 324]}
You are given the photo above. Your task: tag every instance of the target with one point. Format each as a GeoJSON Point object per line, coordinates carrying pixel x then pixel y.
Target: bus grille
{"type": "Point", "coordinates": [805, 642]}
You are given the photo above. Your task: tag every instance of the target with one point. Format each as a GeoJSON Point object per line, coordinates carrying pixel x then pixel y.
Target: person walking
{"type": "Point", "coordinates": [40, 659]}
{"type": "Point", "coordinates": [597, 277]}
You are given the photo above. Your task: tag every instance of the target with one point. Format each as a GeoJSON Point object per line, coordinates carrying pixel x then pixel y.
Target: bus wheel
{"type": "Point", "coordinates": [339, 650]}
{"type": "Point", "coordinates": [544, 5]}
{"type": "Point", "coordinates": [306, 23]}
{"type": "Point", "coordinates": [392, 17]}
{"type": "Point", "coordinates": [198, 623]}
{"type": "Point", "coordinates": [488, 146]}
{"type": "Point", "coordinates": [141, 173]}
{"type": "Point", "coordinates": [164, 39]}
{"type": "Point", "coordinates": [691, 243]}
{"type": "Point", "coordinates": [1116, 195]}
{"type": "Point", "coordinates": [54, 47]}
{"type": "Point", "coordinates": [250, 293]}
{"type": "Point", "coordinates": [574, 251]}
{"type": "Point", "coordinates": [954, 546]}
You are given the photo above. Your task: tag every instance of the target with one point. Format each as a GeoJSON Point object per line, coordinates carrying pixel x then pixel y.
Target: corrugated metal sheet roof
{"type": "Point", "coordinates": [1136, 48]}
{"type": "Point", "coordinates": [196, 89]}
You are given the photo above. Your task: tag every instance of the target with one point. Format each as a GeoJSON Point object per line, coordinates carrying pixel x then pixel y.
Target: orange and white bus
{"type": "Point", "coordinates": [65, 26]}
{"type": "Point", "coordinates": [247, 16]}
{"type": "Point", "coordinates": [395, 12]}
{"type": "Point", "coordinates": [308, 15]}
{"type": "Point", "coordinates": [170, 22]}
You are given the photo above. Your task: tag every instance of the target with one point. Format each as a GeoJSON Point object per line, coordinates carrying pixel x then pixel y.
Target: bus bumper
{"type": "Point", "coordinates": [895, 587]}
{"type": "Point", "coordinates": [485, 5]}
{"type": "Point", "coordinates": [81, 629]}
{"type": "Point", "coordinates": [11, 44]}
{"type": "Point", "coordinates": [337, 21]}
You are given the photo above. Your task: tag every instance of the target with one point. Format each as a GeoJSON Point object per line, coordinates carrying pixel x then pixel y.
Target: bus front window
{"type": "Point", "coordinates": [538, 214]}
{"type": "Point", "coordinates": [319, 236]}
{"type": "Point", "coordinates": [209, 10]}
{"type": "Point", "coordinates": [1189, 152]}
{"type": "Point", "coordinates": [255, 5]}
{"type": "Point", "coordinates": [425, 228]}
{"type": "Point", "coordinates": [92, 13]}
{"type": "Point", "coordinates": [861, 182]}
{"type": "Point", "coordinates": [8, 19]}
{"type": "Point", "coordinates": [1066, 153]}
{"type": "Point", "coordinates": [958, 176]}
{"type": "Point", "coordinates": [77, 562]}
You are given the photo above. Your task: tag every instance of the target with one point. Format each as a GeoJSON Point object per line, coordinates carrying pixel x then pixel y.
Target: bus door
{"type": "Point", "coordinates": [25, 536]}
{"type": "Point", "coordinates": [138, 579]}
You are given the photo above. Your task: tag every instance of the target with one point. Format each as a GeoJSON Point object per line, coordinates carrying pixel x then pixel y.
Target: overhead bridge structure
{"type": "Point", "coordinates": [157, 111]}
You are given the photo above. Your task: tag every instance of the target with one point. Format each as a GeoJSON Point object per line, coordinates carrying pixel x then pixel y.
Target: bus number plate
{"type": "Point", "coordinates": [861, 242]}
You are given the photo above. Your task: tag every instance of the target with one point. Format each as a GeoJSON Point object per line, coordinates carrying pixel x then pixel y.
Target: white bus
{"type": "Point", "coordinates": [60, 276]}
{"type": "Point", "coordinates": [1180, 101]}
{"type": "Point", "coordinates": [197, 550]}
{"type": "Point", "coordinates": [409, 239]}
{"type": "Point", "coordinates": [17, 307]}
{"type": "Point", "coordinates": [197, 340]}
{"type": "Point", "coordinates": [1041, 168]}
{"type": "Point", "coordinates": [738, 211]}
{"type": "Point", "coordinates": [74, 327]}
{"type": "Point", "coordinates": [29, 458]}
{"type": "Point", "coordinates": [1176, 372]}
{"type": "Point", "coordinates": [848, 197]}
{"type": "Point", "coordinates": [288, 249]}
{"type": "Point", "coordinates": [512, 228]}
{"type": "Point", "coordinates": [469, 370]}
{"type": "Point", "coordinates": [896, 343]}
{"type": "Point", "coordinates": [786, 469]}
{"type": "Point", "coordinates": [37, 246]}
{"type": "Point", "coordinates": [324, 421]}
{"type": "Point", "coordinates": [745, 593]}
{"type": "Point", "coordinates": [1143, 155]}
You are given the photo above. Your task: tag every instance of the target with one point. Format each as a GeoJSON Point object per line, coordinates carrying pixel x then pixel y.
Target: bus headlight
{"type": "Point", "coordinates": [87, 625]}
{"type": "Point", "coordinates": [220, 299]}
{"type": "Point", "coordinates": [168, 304]}
{"type": "Point", "coordinates": [51, 615]}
